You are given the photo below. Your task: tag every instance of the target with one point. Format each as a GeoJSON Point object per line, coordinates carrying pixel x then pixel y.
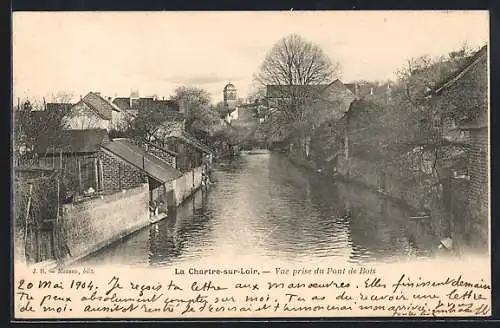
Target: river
{"type": "Point", "coordinates": [264, 208]}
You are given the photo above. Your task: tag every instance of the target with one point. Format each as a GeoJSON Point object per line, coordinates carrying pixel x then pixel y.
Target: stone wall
{"type": "Point", "coordinates": [117, 174]}
{"type": "Point", "coordinates": [161, 154]}
{"type": "Point", "coordinates": [471, 227]}
{"type": "Point", "coordinates": [95, 223]}
{"type": "Point", "coordinates": [478, 169]}
{"type": "Point", "coordinates": [185, 186]}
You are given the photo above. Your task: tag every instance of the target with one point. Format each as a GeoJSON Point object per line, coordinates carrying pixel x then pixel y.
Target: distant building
{"type": "Point", "coordinates": [93, 112]}
{"type": "Point", "coordinates": [230, 97]}
{"type": "Point", "coordinates": [327, 101]}
{"type": "Point", "coordinates": [134, 104]}
{"type": "Point", "coordinates": [322, 103]}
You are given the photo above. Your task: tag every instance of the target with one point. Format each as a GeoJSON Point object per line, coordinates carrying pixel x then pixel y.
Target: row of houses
{"type": "Point", "coordinates": [336, 143]}
{"type": "Point", "coordinates": [102, 179]}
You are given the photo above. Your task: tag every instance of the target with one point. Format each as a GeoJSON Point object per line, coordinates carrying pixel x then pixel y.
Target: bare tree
{"type": "Point", "coordinates": [296, 69]}
{"type": "Point", "coordinates": [33, 121]}
{"type": "Point", "coordinates": [62, 97]}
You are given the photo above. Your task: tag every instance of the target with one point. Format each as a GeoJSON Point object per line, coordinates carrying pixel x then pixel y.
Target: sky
{"type": "Point", "coordinates": [155, 52]}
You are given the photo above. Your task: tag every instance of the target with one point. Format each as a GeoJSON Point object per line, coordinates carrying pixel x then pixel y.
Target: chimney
{"type": "Point", "coordinates": [109, 99]}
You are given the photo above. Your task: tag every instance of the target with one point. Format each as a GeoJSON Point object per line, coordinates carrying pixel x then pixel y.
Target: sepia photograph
{"type": "Point", "coordinates": [246, 164]}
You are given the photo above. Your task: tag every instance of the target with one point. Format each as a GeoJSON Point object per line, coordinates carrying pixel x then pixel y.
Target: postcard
{"type": "Point", "coordinates": [250, 164]}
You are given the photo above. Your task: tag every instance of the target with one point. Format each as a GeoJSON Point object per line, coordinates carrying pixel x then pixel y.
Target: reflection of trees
{"type": "Point", "coordinates": [379, 228]}
{"type": "Point", "coordinates": [305, 207]}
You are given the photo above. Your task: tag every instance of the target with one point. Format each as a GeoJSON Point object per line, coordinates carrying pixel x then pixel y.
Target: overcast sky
{"type": "Point", "coordinates": [154, 52]}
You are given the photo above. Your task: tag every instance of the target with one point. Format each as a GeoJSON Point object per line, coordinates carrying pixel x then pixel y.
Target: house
{"type": "Point", "coordinates": [77, 154]}
{"type": "Point", "coordinates": [94, 112]}
{"type": "Point", "coordinates": [86, 159]}
{"type": "Point", "coordinates": [162, 153]}
{"type": "Point", "coordinates": [192, 150]}
{"type": "Point", "coordinates": [51, 111]}
{"type": "Point", "coordinates": [58, 107]}
{"type": "Point", "coordinates": [159, 173]}
{"type": "Point", "coordinates": [322, 103]}
{"type": "Point", "coordinates": [134, 104]}
{"type": "Point", "coordinates": [462, 101]}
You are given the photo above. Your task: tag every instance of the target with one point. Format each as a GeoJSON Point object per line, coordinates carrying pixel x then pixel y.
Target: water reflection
{"type": "Point", "coordinates": [264, 207]}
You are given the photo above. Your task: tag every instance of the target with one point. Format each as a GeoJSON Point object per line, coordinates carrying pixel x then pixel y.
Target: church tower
{"type": "Point", "coordinates": [230, 97]}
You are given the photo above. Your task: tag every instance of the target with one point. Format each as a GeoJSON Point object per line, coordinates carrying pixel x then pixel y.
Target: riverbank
{"type": "Point", "coordinates": [444, 225]}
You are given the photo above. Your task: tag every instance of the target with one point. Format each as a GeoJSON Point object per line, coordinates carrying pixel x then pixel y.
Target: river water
{"type": "Point", "coordinates": [264, 208]}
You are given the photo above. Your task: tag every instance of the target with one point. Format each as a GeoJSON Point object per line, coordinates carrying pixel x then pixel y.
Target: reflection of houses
{"type": "Point", "coordinates": [94, 112]}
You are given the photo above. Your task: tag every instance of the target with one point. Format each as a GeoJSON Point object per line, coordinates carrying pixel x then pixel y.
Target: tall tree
{"type": "Point", "coordinates": [32, 120]}
{"type": "Point", "coordinates": [149, 121]}
{"type": "Point", "coordinates": [196, 104]}
{"type": "Point", "coordinates": [295, 66]}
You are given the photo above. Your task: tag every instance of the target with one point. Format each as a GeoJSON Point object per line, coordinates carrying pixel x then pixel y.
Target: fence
{"type": "Point", "coordinates": [78, 172]}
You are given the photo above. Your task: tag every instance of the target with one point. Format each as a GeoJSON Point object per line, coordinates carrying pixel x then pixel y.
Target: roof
{"type": "Point", "coordinates": [99, 105]}
{"type": "Point", "coordinates": [188, 138]}
{"type": "Point", "coordinates": [147, 163]}
{"type": "Point", "coordinates": [229, 86]}
{"type": "Point", "coordinates": [146, 103]}
{"type": "Point", "coordinates": [351, 87]}
{"type": "Point", "coordinates": [278, 91]}
{"type": "Point", "coordinates": [72, 141]}
{"type": "Point", "coordinates": [58, 106]}
{"type": "Point", "coordinates": [474, 59]}
{"type": "Point", "coordinates": [122, 103]}
{"type": "Point", "coordinates": [173, 153]}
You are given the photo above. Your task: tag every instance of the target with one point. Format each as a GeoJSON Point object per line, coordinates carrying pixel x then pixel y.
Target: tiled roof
{"type": "Point", "coordinates": [122, 103]}
{"type": "Point", "coordinates": [139, 104]}
{"type": "Point", "coordinates": [188, 138]}
{"type": "Point", "coordinates": [138, 157]}
{"type": "Point", "coordinates": [474, 59]}
{"type": "Point", "coordinates": [72, 141]}
{"type": "Point", "coordinates": [99, 105]}
{"type": "Point", "coordinates": [351, 87]}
